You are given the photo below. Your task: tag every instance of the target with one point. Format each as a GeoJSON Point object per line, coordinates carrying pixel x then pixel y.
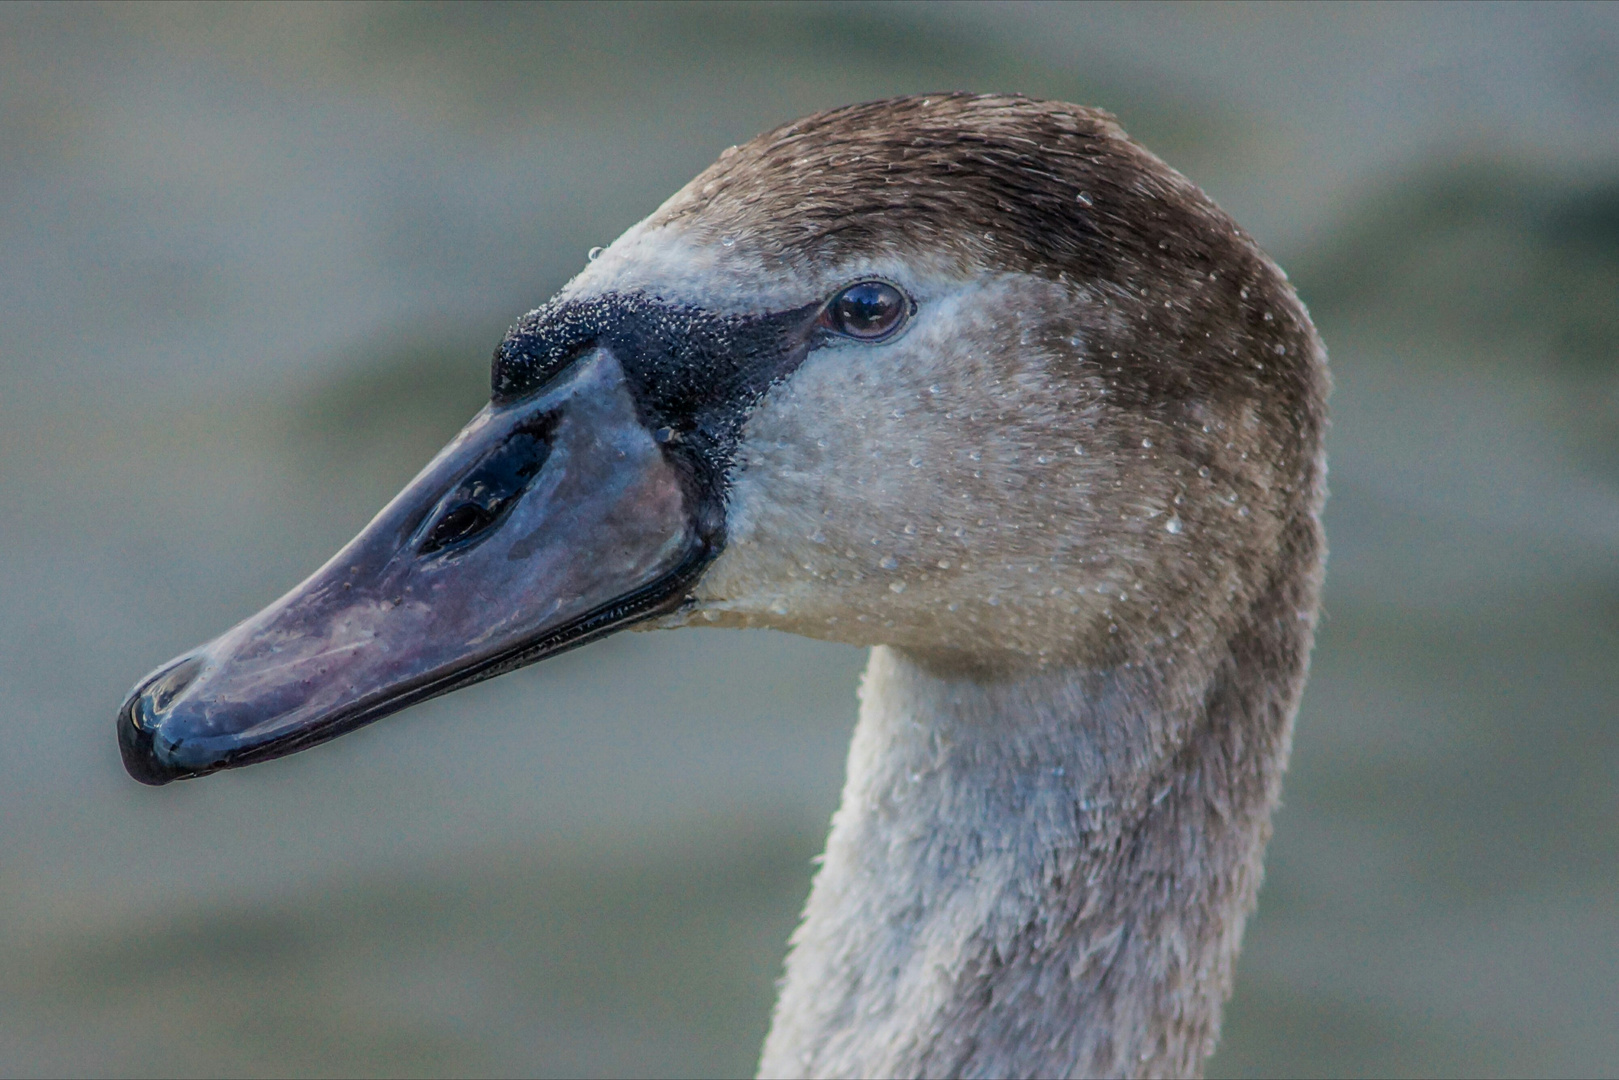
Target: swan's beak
{"type": "Point", "coordinates": [546, 523]}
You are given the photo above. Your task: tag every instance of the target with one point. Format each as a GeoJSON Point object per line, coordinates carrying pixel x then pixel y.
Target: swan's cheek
{"type": "Point", "coordinates": [915, 496]}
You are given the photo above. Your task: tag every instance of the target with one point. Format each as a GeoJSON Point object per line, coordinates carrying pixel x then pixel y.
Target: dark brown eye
{"type": "Point", "coordinates": [868, 311]}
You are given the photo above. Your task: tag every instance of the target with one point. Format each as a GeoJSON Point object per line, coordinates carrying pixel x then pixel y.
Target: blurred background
{"type": "Point", "coordinates": [253, 260]}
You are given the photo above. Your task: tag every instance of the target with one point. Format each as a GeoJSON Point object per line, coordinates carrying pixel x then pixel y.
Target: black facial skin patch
{"type": "Point", "coordinates": [693, 372]}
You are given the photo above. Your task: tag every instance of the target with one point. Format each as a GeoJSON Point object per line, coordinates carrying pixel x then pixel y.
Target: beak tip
{"type": "Point", "coordinates": [136, 743]}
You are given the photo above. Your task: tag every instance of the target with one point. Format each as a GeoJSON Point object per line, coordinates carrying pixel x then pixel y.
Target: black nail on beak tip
{"type": "Point", "coordinates": [137, 724]}
{"type": "Point", "coordinates": [135, 743]}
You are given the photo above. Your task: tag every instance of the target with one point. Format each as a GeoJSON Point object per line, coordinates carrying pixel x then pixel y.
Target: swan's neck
{"type": "Point", "coordinates": [1041, 877]}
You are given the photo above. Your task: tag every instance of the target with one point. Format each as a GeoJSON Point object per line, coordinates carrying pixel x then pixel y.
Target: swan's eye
{"type": "Point", "coordinates": [869, 311]}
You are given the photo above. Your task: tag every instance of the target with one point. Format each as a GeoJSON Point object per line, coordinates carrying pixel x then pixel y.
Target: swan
{"type": "Point", "coordinates": [975, 381]}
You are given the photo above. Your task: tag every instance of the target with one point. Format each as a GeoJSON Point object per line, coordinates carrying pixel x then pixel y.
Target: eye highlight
{"type": "Point", "coordinates": [868, 311]}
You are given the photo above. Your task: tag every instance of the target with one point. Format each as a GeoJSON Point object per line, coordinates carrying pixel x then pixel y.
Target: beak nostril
{"type": "Point", "coordinates": [462, 522]}
{"type": "Point", "coordinates": [484, 496]}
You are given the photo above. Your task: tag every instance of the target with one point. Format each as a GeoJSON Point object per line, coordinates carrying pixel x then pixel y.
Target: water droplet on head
{"type": "Point", "coordinates": [593, 254]}
{"type": "Point", "coordinates": [896, 587]}
{"type": "Point", "coordinates": [1083, 198]}
{"type": "Point", "coordinates": [1203, 472]}
{"type": "Point", "coordinates": [1173, 525]}
{"type": "Point", "coordinates": [1147, 443]}
{"type": "Point", "coordinates": [727, 241]}
{"type": "Point", "coordinates": [889, 563]}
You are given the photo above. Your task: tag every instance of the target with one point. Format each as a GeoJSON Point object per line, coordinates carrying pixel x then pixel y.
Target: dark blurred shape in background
{"type": "Point", "coordinates": [252, 263]}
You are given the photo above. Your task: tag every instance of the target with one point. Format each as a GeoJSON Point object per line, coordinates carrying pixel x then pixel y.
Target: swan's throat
{"type": "Point", "coordinates": [1040, 877]}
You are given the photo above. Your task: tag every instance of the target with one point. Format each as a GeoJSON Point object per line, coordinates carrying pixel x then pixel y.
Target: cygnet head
{"type": "Point", "coordinates": [976, 377]}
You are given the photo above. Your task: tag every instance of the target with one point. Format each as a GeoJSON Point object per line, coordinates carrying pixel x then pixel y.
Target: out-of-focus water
{"type": "Point", "coordinates": [252, 262]}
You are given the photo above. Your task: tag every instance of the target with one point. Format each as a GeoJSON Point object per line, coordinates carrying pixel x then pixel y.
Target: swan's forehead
{"type": "Point", "coordinates": [688, 265]}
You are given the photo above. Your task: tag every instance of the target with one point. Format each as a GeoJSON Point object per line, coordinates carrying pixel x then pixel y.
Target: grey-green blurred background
{"type": "Point", "coordinates": [252, 263]}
